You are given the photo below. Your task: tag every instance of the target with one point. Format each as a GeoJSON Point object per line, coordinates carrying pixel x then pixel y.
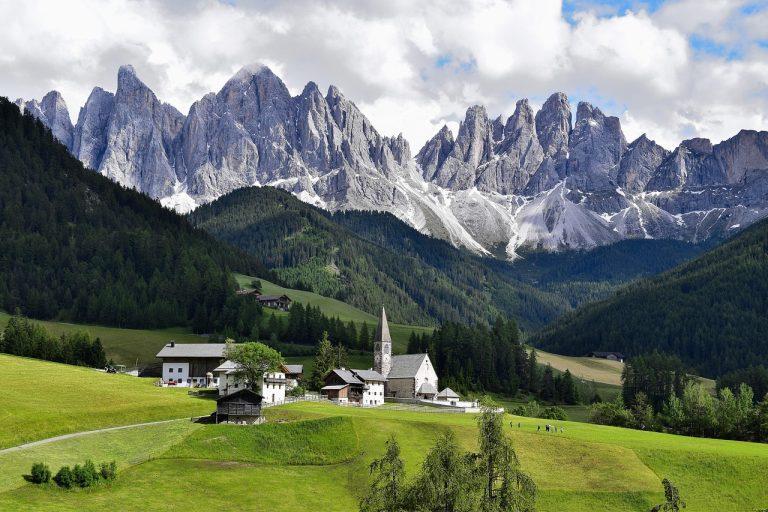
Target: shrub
{"type": "Point", "coordinates": [85, 475]}
{"type": "Point", "coordinates": [553, 413]}
{"type": "Point", "coordinates": [64, 477]}
{"type": "Point", "coordinates": [40, 473]}
{"type": "Point", "coordinates": [297, 391]}
{"type": "Point", "coordinates": [108, 471]}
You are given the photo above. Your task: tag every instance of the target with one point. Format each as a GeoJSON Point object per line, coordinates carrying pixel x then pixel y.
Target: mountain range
{"type": "Point", "coordinates": [537, 180]}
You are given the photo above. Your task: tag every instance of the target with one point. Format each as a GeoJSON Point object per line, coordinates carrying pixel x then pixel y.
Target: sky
{"type": "Point", "coordinates": [671, 69]}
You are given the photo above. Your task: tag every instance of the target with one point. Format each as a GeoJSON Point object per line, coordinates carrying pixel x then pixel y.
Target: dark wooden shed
{"type": "Point", "coordinates": [243, 406]}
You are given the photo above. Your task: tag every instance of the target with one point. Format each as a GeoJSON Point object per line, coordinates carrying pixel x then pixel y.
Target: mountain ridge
{"type": "Point", "coordinates": [537, 180]}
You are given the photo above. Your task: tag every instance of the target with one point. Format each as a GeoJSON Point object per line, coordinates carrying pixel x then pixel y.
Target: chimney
{"type": "Point", "coordinates": [172, 344]}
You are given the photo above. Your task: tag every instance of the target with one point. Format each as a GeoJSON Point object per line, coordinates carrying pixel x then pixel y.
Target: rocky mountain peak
{"type": "Point", "coordinates": [698, 145]}
{"type": "Point", "coordinates": [431, 157]}
{"type": "Point", "coordinates": [595, 149]}
{"type": "Point", "coordinates": [639, 164]}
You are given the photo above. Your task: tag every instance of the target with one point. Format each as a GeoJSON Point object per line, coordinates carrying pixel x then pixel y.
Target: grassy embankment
{"type": "Point", "coordinates": [318, 460]}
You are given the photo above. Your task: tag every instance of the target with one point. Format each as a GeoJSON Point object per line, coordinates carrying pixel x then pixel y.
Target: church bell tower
{"type": "Point", "coordinates": [382, 346]}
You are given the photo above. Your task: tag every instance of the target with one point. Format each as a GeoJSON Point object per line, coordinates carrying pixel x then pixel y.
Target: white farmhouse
{"type": "Point", "coordinates": [191, 364]}
{"type": "Point", "coordinates": [272, 386]}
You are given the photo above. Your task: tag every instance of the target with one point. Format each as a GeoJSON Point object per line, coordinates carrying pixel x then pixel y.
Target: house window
{"type": "Point", "coordinates": [170, 370]}
{"type": "Point", "coordinates": [180, 370]}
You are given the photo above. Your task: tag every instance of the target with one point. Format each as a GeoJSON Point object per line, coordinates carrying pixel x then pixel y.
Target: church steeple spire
{"type": "Point", "coordinates": [382, 346]}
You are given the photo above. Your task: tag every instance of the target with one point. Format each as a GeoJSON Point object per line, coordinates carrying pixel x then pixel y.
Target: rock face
{"type": "Point", "coordinates": [533, 180]}
{"type": "Point", "coordinates": [52, 112]}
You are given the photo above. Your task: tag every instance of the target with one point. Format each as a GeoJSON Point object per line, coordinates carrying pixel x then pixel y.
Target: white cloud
{"type": "Point", "coordinates": [410, 66]}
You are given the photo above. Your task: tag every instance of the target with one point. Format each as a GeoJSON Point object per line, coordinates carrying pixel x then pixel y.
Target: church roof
{"type": "Point", "coordinates": [382, 329]}
{"type": "Point", "coordinates": [406, 366]}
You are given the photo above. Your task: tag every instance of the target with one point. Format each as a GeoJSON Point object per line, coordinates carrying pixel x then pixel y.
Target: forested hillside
{"type": "Point", "coordinates": [77, 247]}
{"type": "Point", "coordinates": [711, 312]}
{"type": "Point", "coordinates": [368, 259]}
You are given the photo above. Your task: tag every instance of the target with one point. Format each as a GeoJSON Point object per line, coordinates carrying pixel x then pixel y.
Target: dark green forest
{"type": "Point", "coordinates": [370, 258]}
{"type": "Point", "coordinates": [77, 247]}
{"type": "Point", "coordinates": [710, 312]}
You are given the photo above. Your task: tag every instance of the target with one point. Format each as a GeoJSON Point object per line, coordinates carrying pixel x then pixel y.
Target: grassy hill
{"type": "Point", "coordinates": [315, 457]}
{"type": "Point", "coordinates": [710, 311]}
{"type": "Point", "coordinates": [42, 399]}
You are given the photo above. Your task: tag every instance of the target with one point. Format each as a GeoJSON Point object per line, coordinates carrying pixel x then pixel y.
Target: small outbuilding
{"type": "Point", "coordinates": [611, 356]}
{"type": "Point", "coordinates": [242, 407]}
{"type": "Point", "coordinates": [448, 395]}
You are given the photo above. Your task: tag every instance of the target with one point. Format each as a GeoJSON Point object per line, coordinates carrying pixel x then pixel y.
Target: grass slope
{"type": "Point", "coordinates": [318, 461]}
{"type": "Point", "coordinates": [43, 399]}
{"type": "Point", "coordinates": [124, 346]}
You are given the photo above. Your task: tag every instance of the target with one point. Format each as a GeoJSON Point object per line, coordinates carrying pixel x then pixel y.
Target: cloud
{"type": "Point", "coordinates": [673, 69]}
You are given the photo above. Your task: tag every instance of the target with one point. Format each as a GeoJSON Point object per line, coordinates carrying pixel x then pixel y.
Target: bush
{"type": "Point", "coordinates": [553, 413]}
{"type": "Point", "coordinates": [611, 413]}
{"type": "Point", "coordinates": [40, 473]}
{"type": "Point", "coordinates": [297, 391]}
{"type": "Point", "coordinates": [64, 478]}
{"type": "Point", "coordinates": [108, 471]}
{"type": "Point", "coordinates": [85, 475]}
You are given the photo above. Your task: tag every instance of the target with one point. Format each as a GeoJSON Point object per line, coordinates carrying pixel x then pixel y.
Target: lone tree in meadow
{"type": "Point", "coordinates": [506, 488]}
{"type": "Point", "coordinates": [672, 500]}
{"type": "Point", "coordinates": [386, 492]}
{"type": "Point", "coordinates": [253, 360]}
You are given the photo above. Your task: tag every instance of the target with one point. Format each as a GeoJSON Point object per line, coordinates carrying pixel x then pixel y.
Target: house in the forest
{"type": "Point", "coordinates": [281, 302]}
{"type": "Point", "coordinates": [294, 374]}
{"type": "Point", "coordinates": [611, 356]}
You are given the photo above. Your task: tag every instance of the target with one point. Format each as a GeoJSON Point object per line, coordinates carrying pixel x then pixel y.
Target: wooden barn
{"type": "Point", "coordinates": [241, 407]}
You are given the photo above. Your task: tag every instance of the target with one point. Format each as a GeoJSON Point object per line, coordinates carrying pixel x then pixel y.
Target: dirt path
{"type": "Point", "coordinates": [87, 433]}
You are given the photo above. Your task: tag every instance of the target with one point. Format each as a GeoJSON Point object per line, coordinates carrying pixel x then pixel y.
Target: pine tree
{"type": "Point", "coordinates": [386, 492]}
{"type": "Point", "coordinates": [325, 361]}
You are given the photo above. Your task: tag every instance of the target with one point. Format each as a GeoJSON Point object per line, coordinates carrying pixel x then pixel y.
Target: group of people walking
{"type": "Point", "coordinates": [549, 428]}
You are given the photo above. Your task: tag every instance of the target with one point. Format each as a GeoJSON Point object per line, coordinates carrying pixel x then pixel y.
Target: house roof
{"type": "Point", "coordinates": [294, 368]}
{"type": "Point", "coordinates": [427, 388]}
{"type": "Point", "coordinates": [347, 376]}
{"type": "Point", "coordinates": [245, 394]}
{"type": "Point", "coordinates": [369, 375]}
{"type": "Point", "coordinates": [334, 387]}
{"type": "Point", "coordinates": [382, 329]}
{"type": "Point", "coordinates": [406, 366]}
{"type": "Point", "coordinates": [272, 297]}
{"type": "Point", "coordinates": [203, 350]}
{"type": "Point", "coordinates": [226, 366]}
{"type": "Point", "coordinates": [448, 393]}
{"type": "Point", "coordinates": [606, 354]}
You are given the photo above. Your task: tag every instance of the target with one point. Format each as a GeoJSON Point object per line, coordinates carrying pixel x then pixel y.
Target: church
{"type": "Point", "coordinates": [408, 375]}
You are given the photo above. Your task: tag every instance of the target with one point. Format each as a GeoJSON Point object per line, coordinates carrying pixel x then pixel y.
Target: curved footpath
{"type": "Point", "coordinates": [89, 432]}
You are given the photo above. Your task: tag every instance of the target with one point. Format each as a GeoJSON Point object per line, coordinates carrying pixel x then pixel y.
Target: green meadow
{"type": "Point", "coordinates": [42, 399]}
{"type": "Point", "coordinates": [314, 456]}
